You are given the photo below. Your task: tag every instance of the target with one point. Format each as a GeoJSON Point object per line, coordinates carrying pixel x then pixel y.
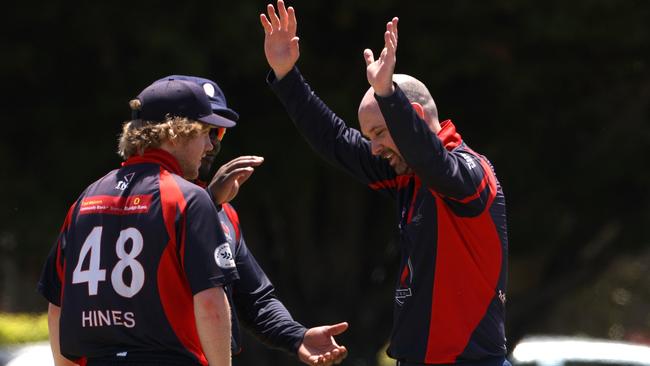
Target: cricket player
{"type": "Point", "coordinates": [450, 292]}
{"type": "Point", "coordinates": [138, 272]}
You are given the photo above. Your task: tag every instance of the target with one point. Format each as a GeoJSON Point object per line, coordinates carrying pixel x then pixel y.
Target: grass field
{"type": "Point", "coordinates": [22, 328]}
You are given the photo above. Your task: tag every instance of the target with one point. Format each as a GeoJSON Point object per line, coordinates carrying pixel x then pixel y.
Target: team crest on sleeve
{"type": "Point", "coordinates": [223, 256]}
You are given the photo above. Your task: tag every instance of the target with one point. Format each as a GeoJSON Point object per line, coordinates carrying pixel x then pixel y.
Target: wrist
{"type": "Point", "coordinates": [385, 91]}
{"type": "Point", "coordinates": [280, 73]}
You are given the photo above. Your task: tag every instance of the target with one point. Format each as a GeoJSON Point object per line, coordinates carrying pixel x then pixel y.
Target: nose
{"type": "Point", "coordinates": [376, 147]}
{"type": "Point", "coordinates": [208, 143]}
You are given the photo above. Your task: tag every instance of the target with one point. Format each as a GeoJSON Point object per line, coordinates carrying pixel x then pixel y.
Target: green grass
{"type": "Point", "coordinates": [22, 328]}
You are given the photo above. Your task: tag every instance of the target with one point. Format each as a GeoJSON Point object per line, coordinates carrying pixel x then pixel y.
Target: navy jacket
{"type": "Point", "coordinates": [134, 249]}
{"type": "Point", "coordinates": [449, 303]}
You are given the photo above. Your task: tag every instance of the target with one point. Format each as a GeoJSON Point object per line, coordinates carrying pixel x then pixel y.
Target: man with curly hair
{"type": "Point", "coordinates": [137, 274]}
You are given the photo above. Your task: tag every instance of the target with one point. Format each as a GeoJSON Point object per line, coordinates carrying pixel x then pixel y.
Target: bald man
{"type": "Point", "coordinates": [449, 301]}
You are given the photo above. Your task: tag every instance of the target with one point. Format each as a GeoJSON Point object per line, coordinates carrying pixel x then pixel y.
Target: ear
{"type": "Point", "coordinates": [418, 109]}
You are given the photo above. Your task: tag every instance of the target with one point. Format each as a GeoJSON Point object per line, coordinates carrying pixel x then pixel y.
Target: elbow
{"type": "Point", "coordinates": [210, 303]}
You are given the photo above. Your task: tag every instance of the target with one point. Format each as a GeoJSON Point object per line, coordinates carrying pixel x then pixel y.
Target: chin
{"type": "Point", "coordinates": [401, 169]}
{"type": "Point", "coordinates": [191, 175]}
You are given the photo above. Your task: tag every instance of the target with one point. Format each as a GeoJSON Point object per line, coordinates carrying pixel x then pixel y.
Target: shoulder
{"type": "Point", "coordinates": [191, 191]}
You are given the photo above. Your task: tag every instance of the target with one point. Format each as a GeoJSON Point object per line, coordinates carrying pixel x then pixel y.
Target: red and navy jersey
{"type": "Point", "coordinates": [135, 248]}
{"type": "Point", "coordinates": [252, 297]}
{"type": "Point", "coordinates": [449, 303]}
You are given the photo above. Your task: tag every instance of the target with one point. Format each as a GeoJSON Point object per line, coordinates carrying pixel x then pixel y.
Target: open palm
{"type": "Point", "coordinates": [380, 71]}
{"type": "Point", "coordinates": [319, 347]}
{"type": "Point", "coordinates": [280, 41]}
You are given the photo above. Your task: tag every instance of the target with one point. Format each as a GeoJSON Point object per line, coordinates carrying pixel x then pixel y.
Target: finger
{"type": "Point", "coordinates": [243, 176]}
{"type": "Point", "coordinates": [251, 158]}
{"type": "Point", "coordinates": [337, 329]}
{"type": "Point", "coordinates": [327, 360]}
{"type": "Point", "coordinates": [390, 28]}
{"type": "Point", "coordinates": [282, 10]}
{"type": "Point", "coordinates": [292, 27]}
{"type": "Point", "coordinates": [395, 21]}
{"type": "Point", "coordinates": [275, 21]}
{"type": "Point", "coordinates": [383, 54]}
{"type": "Point", "coordinates": [294, 44]}
{"type": "Point", "coordinates": [388, 42]}
{"type": "Point", "coordinates": [248, 160]}
{"type": "Point", "coordinates": [368, 56]}
{"type": "Point", "coordinates": [344, 354]}
{"type": "Point", "coordinates": [237, 173]}
{"type": "Point", "coordinates": [268, 29]}
{"type": "Point", "coordinates": [243, 163]}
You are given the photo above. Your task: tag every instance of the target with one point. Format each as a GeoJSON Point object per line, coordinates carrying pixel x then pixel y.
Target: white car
{"type": "Point", "coordinates": [578, 351]}
{"type": "Point", "coordinates": [33, 354]}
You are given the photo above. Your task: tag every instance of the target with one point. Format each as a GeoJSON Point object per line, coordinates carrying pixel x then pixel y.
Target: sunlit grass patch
{"type": "Point", "coordinates": [22, 327]}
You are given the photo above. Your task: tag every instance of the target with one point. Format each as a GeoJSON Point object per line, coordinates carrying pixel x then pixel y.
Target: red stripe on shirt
{"type": "Point", "coordinates": [418, 184]}
{"type": "Point", "coordinates": [398, 182]}
{"type": "Point", "coordinates": [488, 180]}
{"type": "Point", "coordinates": [60, 259]}
{"type": "Point", "coordinates": [175, 293]}
{"type": "Point", "coordinates": [460, 299]}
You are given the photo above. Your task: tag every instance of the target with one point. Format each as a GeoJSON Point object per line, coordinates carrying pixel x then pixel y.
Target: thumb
{"type": "Point", "coordinates": [337, 329]}
{"type": "Point", "coordinates": [367, 54]}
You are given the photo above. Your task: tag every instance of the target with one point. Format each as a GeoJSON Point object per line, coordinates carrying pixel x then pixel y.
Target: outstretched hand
{"type": "Point", "coordinates": [319, 347]}
{"type": "Point", "coordinates": [280, 41]}
{"type": "Point", "coordinates": [230, 176]}
{"type": "Point", "coordinates": [380, 71]}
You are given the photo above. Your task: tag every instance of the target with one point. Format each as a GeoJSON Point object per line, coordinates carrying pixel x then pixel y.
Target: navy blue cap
{"type": "Point", "coordinates": [178, 98]}
{"type": "Point", "coordinates": [214, 93]}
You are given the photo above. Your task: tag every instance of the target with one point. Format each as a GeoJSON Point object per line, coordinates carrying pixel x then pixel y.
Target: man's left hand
{"type": "Point", "coordinates": [380, 71]}
{"type": "Point", "coordinates": [319, 347]}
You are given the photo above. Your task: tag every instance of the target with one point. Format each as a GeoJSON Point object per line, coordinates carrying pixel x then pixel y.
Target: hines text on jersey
{"type": "Point", "coordinates": [103, 318]}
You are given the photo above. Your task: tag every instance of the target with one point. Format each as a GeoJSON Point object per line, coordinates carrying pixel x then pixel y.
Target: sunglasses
{"type": "Point", "coordinates": [216, 134]}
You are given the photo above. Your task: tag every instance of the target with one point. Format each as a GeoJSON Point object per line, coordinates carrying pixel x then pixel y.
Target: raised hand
{"type": "Point", "coordinates": [319, 347]}
{"type": "Point", "coordinates": [230, 176]}
{"type": "Point", "coordinates": [380, 71]}
{"type": "Point", "coordinates": [280, 41]}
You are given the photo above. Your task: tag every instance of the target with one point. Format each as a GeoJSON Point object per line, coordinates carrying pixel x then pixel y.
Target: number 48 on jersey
{"type": "Point", "coordinates": [94, 274]}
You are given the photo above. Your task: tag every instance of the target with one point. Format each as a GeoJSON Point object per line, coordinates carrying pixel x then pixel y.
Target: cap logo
{"type": "Point", "coordinates": [209, 89]}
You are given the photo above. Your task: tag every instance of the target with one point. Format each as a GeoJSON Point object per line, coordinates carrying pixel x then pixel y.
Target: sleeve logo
{"type": "Point", "coordinates": [469, 160]}
{"type": "Point", "coordinates": [223, 256]}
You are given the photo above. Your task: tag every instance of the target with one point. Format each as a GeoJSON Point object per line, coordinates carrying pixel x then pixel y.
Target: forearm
{"type": "Point", "coordinates": [212, 314]}
{"type": "Point", "coordinates": [258, 307]}
{"type": "Point", "coordinates": [325, 132]}
{"type": "Point", "coordinates": [53, 316]}
{"type": "Point", "coordinates": [275, 326]}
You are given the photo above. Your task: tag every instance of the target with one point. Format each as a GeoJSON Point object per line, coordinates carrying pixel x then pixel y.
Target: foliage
{"type": "Point", "coordinates": [22, 328]}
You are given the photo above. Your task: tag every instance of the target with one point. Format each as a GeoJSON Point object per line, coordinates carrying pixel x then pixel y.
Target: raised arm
{"type": "Point", "coordinates": [456, 173]}
{"type": "Point", "coordinates": [328, 134]}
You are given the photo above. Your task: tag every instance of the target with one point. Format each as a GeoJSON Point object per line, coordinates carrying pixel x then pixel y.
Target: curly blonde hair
{"type": "Point", "coordinates": [138, 135]}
